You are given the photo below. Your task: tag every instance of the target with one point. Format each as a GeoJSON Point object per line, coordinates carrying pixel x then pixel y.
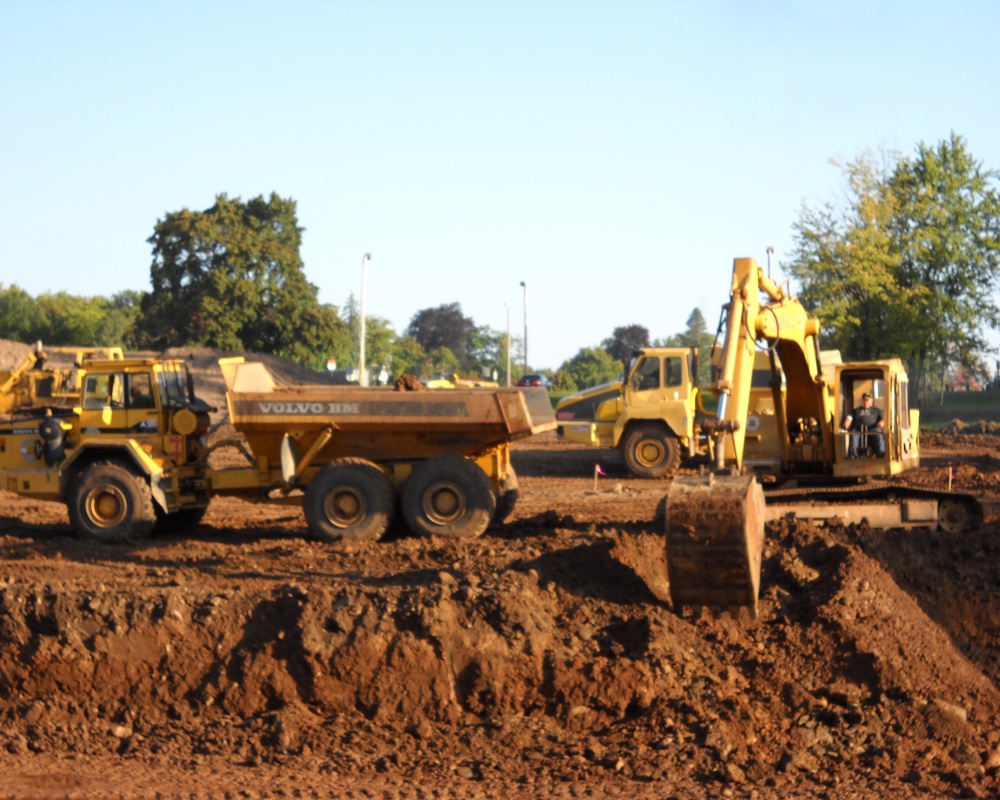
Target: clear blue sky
{"type": "Point", "coordinates": [616, 156]}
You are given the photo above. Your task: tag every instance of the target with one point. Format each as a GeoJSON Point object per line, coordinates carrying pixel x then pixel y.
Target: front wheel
{"type": "Point", "coordinates": [448, 496]}
{"type": "Point", "coordinates": [349, 499]}
{"type": "Point", "coordinates": [109, 503]}
{"type": "Point", "coordinates": [651, 452]}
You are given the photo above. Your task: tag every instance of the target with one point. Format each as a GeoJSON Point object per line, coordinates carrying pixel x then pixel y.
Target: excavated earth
{"type": "Point", "coordinates": [241, 659]}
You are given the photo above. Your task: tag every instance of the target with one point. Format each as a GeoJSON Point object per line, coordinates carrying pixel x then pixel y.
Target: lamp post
{"type": "Point", "coordinates": [525, 287]}
{"type": "Point", "coordinates": [508, 345]}
{"type": "Point", "coordinates": [363, 374]}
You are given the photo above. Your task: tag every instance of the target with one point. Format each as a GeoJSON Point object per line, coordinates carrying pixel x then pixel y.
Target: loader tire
{"type": "Point", "coordinates": [349, 498]}
{"type": "Point", "coordinates": [507, 499]}
{"type": "Point", "coordinates": [109, 503]}
{"type": "Point", "coordinates": [448, 496]}
{"type": "Point", "coordinates": [650, 451]}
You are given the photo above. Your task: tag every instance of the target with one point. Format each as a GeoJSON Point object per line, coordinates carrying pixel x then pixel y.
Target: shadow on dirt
{"type": "Point", "coordinates": [589, 570]}
{"type": "Point", "coordinates": [572, 462]}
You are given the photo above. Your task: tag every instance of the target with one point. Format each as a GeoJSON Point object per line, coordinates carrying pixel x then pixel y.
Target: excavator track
{"type": "Point", "coordinates": [715, 527]}
{"type": "Point", "coordinates": [715, 540]}
{"type": "Point", "coordinates": [883, 505]}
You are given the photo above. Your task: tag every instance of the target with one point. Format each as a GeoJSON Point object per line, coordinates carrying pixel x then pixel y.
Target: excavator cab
{"type": "Point", "coordinates": [871, 449]}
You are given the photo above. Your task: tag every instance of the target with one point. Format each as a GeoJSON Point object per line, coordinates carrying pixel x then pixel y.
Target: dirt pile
{"type": "Point", "coordinates": [541, 659]}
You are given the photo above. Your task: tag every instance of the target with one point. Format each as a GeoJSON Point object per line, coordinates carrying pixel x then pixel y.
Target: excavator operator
{"type": "Point", "coordinates": [866, 424]}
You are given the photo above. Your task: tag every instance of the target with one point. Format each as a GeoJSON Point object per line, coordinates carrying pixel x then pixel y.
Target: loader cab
{"type": "Point", "coordinates": [120, 401]}
{"type": "Point", "coordinates": [885, 451]}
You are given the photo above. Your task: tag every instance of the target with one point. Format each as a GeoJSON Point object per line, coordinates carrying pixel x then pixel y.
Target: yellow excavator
{"type": "Point", "coordinates": [818, 469]}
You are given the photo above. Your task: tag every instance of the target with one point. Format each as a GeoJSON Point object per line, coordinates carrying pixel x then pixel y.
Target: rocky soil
{"type": "Point", "coordinates": [242, 659]}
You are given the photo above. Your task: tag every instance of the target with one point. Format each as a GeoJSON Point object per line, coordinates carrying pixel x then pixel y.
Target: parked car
{"type": "Point", "coordinates": [536, 379]}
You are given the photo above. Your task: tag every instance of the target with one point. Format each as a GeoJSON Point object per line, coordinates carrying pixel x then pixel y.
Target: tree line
{"type": "Point", "coordinates": [231, 277]}
{"type": "Point", "coordinates": [906, 265]}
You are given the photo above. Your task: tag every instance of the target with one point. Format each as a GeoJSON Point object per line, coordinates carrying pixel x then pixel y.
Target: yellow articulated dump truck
{"type": "Point", "coordinates": [133, 455]}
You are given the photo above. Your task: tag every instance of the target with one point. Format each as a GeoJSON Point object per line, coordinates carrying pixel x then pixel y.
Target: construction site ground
{"type": "Point", "coordinates": [240, 658]}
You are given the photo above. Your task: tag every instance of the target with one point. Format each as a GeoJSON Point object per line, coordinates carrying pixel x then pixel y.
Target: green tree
{"type": "Point", "coordinates": [846, 264]}
{"type": "Point", "coordinates": [118, 326]}
{"type": "Point", "coordinates": [440, 360]}
{"type": "Point", "coordinates": [563, 381]}
{"type": "Point", "coordinates": [487, 352]}
{"type": "Point", "coordinates": [408, 357]}
{"type": "Point", "coordinates": [625, 340]}
{"type": "Point", "coordinates": [231, 277]}
{"type": "Point", "coordinates": [21, 320]}
{"type": "Point", "coordinates": [948, 239]}
{"type": "Point", "coordinates": [591, 366]}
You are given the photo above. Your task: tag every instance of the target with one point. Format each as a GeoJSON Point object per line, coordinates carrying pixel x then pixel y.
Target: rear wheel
{"type": "Point", "coordinates": [109, 503]}
{"type": "Point", "coordinates": [349, 499]}
{"type": "Point", "coordinates": [651, 452]}
{"type": "Point", "coordinates": [448, 496]}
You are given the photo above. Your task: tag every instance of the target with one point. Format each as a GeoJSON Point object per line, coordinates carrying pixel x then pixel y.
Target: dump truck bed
{"type": "Point", "coordinates": [382, 423]}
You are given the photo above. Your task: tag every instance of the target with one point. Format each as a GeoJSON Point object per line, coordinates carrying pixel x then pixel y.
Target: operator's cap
{"type": "Point", "coordinates": [866, 396]}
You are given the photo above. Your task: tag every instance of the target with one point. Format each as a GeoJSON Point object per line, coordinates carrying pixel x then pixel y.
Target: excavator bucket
{"type": "Point", "coordinates": [715, 540]}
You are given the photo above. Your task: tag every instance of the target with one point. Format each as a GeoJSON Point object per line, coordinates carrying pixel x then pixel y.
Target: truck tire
{"type": "Point", "coordinates": [109, 503]}
{"type": "Point", "coordinates": [507, 499]}
{"type": "Point", "coordinates": [650, 451]}
{"type": "Point", "coordinates": [349, 498]}
{"type": "Point", "coordinates": [448, 496]}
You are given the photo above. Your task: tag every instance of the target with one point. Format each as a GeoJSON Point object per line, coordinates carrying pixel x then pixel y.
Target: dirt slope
{"type": "Point", "coordinates": [540, 660]}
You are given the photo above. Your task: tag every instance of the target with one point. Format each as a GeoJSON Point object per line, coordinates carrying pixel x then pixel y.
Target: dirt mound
{"type": "Point", "coordinates": [542, 659]}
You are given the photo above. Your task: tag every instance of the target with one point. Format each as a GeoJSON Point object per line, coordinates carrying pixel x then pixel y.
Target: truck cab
{"type": "Point", "coordinates": [649, 415]}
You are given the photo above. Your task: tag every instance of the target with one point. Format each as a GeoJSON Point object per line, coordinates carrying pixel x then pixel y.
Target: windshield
{"type": "Point", "coordinates": [173, 384]}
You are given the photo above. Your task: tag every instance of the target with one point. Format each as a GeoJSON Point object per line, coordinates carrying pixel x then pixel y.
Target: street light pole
{"type": "Point", "coordinates": [363, 374]}
{"type": "Point", "coordinates": [525, 287]}
{"type": "Point", "coordinates": [508, 344]}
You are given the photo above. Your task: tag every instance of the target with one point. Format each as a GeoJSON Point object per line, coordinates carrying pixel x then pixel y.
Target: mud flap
{"type": "Point", "coordinates": [289, 459]}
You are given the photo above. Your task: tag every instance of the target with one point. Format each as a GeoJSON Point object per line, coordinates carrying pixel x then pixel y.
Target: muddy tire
{"type": "Point", "coordinates": [450, 497]}
{"type": "Point", "coordinates": [349, 498]}
{"type": "Point", "coordinates": [109, 503]}
{"type": "Point", "coordinates": [507, 500]}
{"type": "Point", "coordinates": [651, 452]}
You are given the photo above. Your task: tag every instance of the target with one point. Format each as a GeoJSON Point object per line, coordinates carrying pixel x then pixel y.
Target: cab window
{"type": "Point", "coordinates": [140, 394]}
{"type": "Point", "coordinates": [104, 391]}
{"type": "Point", "coordinates": [647, 375]}
{"type": "Point", "coordinates": [674, 370]}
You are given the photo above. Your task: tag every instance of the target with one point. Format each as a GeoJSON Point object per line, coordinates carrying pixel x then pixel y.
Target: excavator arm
{"type": "Point", "coordinates": [715, 523]}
